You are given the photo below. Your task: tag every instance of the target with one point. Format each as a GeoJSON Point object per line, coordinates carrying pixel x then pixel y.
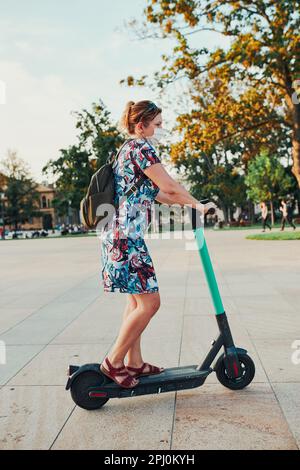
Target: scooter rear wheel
{"type": "Point", "coordinates": [248, 372]}
{"type": "Point", "coordinates": [80, 390]}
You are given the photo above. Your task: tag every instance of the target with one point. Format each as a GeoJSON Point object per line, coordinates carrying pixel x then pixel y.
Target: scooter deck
{"type": "Point", "coordinates": [172, 379]}
{"type": "Point", "coordinates": [175, 378]}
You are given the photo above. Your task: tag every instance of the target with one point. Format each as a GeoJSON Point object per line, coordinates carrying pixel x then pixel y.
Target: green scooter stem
{"type": "Point", "coordinates": [208, 269]}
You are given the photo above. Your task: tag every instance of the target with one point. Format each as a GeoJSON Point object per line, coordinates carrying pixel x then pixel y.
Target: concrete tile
{"type": "Point", "coordinates": [293, 300]}
{"type": "Point", "coordinates": [16, 358]}
{"type": "Point", "coordinates": [264, 325]}
{"type": "Point", "coordinates": [252, 288]}
{"type": "Point", "coordinates": [50, 366]}
{"type": "Point", "coordinates": [205, 306]}
{"type": "Point", "coordinates": [276, 356]}
{"type": "Point", "coordinates": [212, 418]}
{"type": "Point", "coordinates": [288, 395]}
{"type": "Point", "coordinates": [271, 304]}
{"type": "Point", "coordinates": [124, 423]}
{"type": "Point", "coordinates": [47, 322]}
{"type": "Point", "coordinates": [29, 300]}
{"type": "Point", "coordinates": [195, 289]}
{"type": "Point", "coordinates": [10, 316]}
{"type": "Point", "coordinates": [92, 327]}
{"type": "Point", "coordinates": [72, 320]}
{"type": "Point", "coordinates": [32, 417]}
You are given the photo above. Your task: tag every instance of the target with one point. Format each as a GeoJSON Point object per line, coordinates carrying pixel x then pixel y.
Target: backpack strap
{"type": "Point", "coordinates": [136, 185]}
{"type": "Point", "coordinates": [113, 157]}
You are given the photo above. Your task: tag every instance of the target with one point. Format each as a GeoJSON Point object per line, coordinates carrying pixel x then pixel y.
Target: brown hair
{"type": "Point", "coordinates": [144, 111]}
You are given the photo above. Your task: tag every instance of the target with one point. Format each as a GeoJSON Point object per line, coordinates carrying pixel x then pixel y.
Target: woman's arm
{"type": "Point", "coordinates": [171, 192]}
{"type": "Point", "coordinates": [164, 198]}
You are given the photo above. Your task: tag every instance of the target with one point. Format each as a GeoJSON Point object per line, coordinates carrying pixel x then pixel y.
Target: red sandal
{"type": "Point", "coordinates": [139, 370]}
{"type": "Point", "coordinates": [112, 372]}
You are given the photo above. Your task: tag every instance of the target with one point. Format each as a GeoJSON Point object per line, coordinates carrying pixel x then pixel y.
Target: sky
{"type": "Point", "coordinates": [58, 56]}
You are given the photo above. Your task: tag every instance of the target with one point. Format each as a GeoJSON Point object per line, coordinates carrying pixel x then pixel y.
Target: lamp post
{"type": "Point", "coordinates": [2, 195]}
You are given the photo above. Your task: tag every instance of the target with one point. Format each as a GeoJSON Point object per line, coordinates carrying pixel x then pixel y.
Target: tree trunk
{"type": "Point", "coordinates": [297, 196]}
{"type": "Point", "coordinates": [272, 212]}
{"type": "Point", "coordinates": [225, 211]}
{"type": "Point", "coordinates": [296, 143]}
{"type": "Point", "coordinates": [251, 212]}
{"type": "Point", "coordinates": [231, 211]}
{"type": "Point", "coordinates": [293, 105]}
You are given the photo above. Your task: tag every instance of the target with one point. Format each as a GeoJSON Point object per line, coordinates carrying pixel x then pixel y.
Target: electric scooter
{"type": "Point", "coordinates": [90, 389]}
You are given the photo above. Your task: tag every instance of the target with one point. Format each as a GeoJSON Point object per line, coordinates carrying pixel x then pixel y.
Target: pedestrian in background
{"type": "Point", "coordinates": [264, 216]}
{"type": "Point", "coordinates": [287, 214]}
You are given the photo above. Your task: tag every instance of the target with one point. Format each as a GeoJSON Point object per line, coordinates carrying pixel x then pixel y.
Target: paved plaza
{"type": "Point", "coordinates": [54, 313]}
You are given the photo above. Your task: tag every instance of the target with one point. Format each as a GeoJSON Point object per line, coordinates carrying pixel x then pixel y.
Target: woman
{"type": "Point", "coordinates": [287, 215]}
{"type": "Point", "coordinates": [127, 266]}
{"type": "Point", "coordinates": [264, 216]}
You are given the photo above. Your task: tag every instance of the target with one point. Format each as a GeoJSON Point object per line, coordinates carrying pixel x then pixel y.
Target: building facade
{"type": "Point", "coordinates": [47, 220]}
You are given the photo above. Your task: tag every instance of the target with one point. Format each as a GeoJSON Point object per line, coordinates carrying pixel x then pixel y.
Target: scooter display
{"type": "Point", "coordinates": [90, 389]}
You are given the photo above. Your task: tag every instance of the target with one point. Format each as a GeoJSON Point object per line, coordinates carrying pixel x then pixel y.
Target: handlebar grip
{"type": "Point", "coordinates": [210, 211]}
{"type": "Point", "coordinates": [195, 217]}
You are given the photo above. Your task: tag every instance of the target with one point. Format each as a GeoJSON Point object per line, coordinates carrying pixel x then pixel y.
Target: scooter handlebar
{"type": "Point", "coordinates": [211, 210]}
{"type": "Point", "coordinates": [195, 215]}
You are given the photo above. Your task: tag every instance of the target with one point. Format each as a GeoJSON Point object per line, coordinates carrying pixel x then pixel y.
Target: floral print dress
{"type": "Point", "coordinates": [126, 263]}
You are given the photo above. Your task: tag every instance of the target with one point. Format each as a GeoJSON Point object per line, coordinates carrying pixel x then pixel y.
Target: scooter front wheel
{"type": "Point", "coordinates": [248, 372]}
{"type": "Point", "coordinates": [80, 390]}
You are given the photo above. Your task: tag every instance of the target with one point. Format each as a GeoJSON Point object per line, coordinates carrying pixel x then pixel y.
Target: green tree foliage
{"type": "Point", "coordinates": [263, 56]}
{"type": "Point", "coordinates": [267, 180]}
{"type": "Point", "coordinates": [21, 191]}
{"type": "Point", "coordinates": [72, 171]}
{"type": "Point", "coordinates": [216, 176]}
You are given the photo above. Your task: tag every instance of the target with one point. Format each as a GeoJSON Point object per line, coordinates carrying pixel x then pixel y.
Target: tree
{"type": "Point", "coordinates": [216, 176]}
{"type": "Point", "coordinates": [228, 119]}
{"type": "Point", "coordinates": [267, 180]}
{"type": "Point", "coordinates": [97, 138]}
{"type": "Point", "coordinates": [263, 52]}
{"type": "Point", "coordinates": [98, 135]}
{"type": "Point", "coordinates": [21, 191]}
{"type": "Point", "coordinates": [73, 171]}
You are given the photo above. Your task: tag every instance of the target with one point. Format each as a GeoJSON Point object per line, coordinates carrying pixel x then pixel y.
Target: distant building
{"type": "Point", "coordinates": [48, 220]}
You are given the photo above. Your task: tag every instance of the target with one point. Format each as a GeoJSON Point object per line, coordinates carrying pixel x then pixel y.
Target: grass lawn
{"type": "Point", "coordinates": [277, 225]}
{"type": "Point", "coordinates": [295, 235]}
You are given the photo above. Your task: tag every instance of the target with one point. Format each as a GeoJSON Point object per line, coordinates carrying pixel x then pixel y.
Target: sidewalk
{"type": "Point", "coordinates": [53, 313]}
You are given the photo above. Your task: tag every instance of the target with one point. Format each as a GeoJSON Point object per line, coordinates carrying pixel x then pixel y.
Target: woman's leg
{"type": "Point", "coordinates": [134, 325]}
{"type": "Point", "coordinates": [290, 221]}
{"type": "Point", "coordinates": [134, 353]}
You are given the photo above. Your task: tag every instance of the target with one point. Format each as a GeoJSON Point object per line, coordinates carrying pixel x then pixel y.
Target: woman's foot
{"type": "Point", "coordinates": [120, 375]}
{"type": "Point", "coordinates": [144, 369]}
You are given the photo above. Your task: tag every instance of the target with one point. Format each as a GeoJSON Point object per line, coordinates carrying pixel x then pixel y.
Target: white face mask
{"type": "Point", "coordinates": [159, 134]}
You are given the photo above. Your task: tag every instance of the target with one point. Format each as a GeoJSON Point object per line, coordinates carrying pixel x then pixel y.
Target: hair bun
{"type": "Point", "coordinates": [130, 104]}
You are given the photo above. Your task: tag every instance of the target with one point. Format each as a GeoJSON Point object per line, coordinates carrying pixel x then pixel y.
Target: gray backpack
{"type": "Point", "coordinates": [101, 190]}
